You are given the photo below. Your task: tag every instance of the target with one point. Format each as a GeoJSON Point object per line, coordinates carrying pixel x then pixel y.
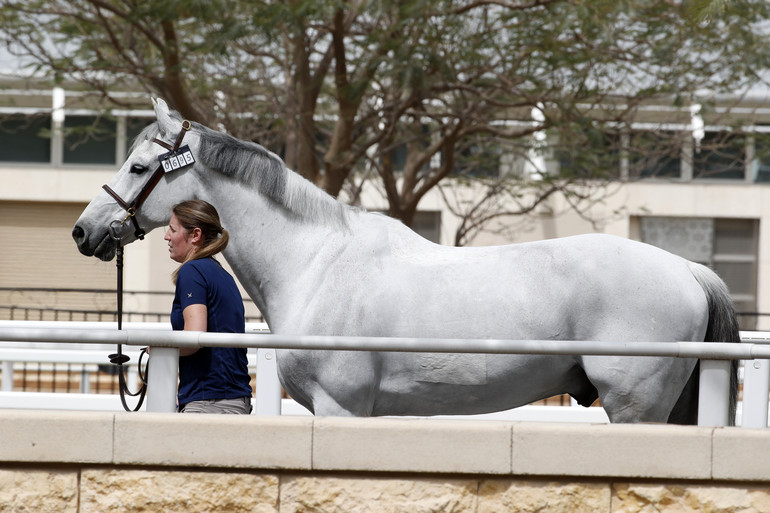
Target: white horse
{"type": "Point", "coordinates": [316, 266]}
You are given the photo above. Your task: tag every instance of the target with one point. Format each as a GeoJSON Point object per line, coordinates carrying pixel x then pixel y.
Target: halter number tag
{"type": "Point", "coordinates": [177, 159]}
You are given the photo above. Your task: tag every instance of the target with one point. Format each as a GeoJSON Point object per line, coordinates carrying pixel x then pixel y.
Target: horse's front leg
{"type": "Point", "coordinates": [328, 404]}
{"type": "Point", "coordinates": [334, 383]}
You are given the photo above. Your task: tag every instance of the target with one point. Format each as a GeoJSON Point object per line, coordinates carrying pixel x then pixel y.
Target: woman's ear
{"type": "Point", "coordinates": [196, 235]}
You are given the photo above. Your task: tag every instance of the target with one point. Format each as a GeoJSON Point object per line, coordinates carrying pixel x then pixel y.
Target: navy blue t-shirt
{"type": "Point", "coordinates": [211, 372]}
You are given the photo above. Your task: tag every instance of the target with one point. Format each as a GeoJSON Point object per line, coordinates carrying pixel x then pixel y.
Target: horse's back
{"type": "Point", "coordinates": [583, 287]}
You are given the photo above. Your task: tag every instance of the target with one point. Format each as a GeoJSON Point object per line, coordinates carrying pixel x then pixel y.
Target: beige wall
{"type": "Point", "coordinates": [148, 267]}
{"type": "Point", "coordinates": [89, 462]}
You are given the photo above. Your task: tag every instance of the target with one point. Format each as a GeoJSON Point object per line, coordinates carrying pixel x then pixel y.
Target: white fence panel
{"type": "Point", "coordinates": [753, 412]}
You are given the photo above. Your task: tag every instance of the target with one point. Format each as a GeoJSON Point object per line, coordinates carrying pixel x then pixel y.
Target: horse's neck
{"type": "Point", "coordinates": [270, 248]}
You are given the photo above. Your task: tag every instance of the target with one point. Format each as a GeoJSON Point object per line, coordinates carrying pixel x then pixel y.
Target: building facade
{"type": "Point", "coordinates": [57, 148]}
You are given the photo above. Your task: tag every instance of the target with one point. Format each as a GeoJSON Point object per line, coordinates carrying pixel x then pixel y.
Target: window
{"type": "Point", "coordinates": [86, 139]}
{"type": "Point", "coordinates": [654, 154]}
{"type": "Point", "coordinates": [762, 157]}
{"type": "Point", "coordinates": [596, 154]}
{"type": "Point", "coordinates": [398, 157]}
{"type": "Point", "coordinates": [89, 140]}
{"type": "Point", "coordinates": [25, 138]}
{"type": "Point", "coordinates": [134, 127]}
{"type": "Point", "coordinates": [474, 156]}
{"type": "Point", "coordinates": [729, 246]}
{"type": "Point", "coordinates": [428, 224]}
{"type": "Point", "coordinates": [478, 157]}
{"type": "Point", "coordinates": [722, 155]}
{"type": "Point", "coordinates": [658, 153]}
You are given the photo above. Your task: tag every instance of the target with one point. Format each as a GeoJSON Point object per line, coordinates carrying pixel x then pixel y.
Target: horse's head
{"type": "Point", "coordinates": [140, 196]}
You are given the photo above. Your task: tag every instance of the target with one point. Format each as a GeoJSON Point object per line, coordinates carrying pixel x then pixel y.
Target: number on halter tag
{"type": "Point", "coordinates": [177, 159]}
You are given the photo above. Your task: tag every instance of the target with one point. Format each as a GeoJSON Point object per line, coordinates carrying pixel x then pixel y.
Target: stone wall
{"type": "Point", "coordinates": [98, 462]}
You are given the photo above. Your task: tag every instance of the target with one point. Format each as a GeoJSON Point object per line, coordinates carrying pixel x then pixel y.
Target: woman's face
{"type": "Point", "coordinates": [180, 240]}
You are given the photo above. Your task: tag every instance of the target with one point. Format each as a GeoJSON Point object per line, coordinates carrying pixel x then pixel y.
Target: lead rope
{"type": "Point", "coordinates": [119, 358]}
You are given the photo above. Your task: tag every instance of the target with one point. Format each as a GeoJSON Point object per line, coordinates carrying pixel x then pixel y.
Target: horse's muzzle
{"type": "Point", "coordinates": [82, 241]}
{"type": "Point", "coordinates": [103, 249]}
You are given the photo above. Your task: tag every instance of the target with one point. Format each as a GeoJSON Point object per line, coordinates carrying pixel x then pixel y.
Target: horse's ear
{"type": "Point", "coordinates": [165, 122]}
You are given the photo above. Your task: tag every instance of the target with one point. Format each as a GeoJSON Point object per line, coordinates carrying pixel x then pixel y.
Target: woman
{"type": "Point", "coordinates": [211, 380]}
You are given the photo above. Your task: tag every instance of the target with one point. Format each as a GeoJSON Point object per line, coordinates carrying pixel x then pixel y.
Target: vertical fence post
{"type": "Point", "coordinates": [162, 376]}
{"type": "Point", "coordinates": [268, 393]}
{"type": "Point", "coordinates": [714, 398]}
{"type": "Point", "coordinates": [85, 381]}
{"type": "Point", "coordinates": [756, 383]}
{"type": "Point", "coordinates": [7, 384]}
{"type": "Point", "coordinates": [132, 375]}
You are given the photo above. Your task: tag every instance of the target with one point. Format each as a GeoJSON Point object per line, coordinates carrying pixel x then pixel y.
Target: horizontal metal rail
{"type": "Point", "coordinates": [714, 378]}
{"type": "Point", "coordinates": [194, 339]}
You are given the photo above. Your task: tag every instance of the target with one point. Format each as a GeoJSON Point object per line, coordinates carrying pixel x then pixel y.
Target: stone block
{"type": "Point", "coordinates": [496, 496]}
{"type": "Point", "coordinates": [234, 441]}
{"type": "Point", "coordinates": [153, 491]}
{"type": "Point", "coordinates": [38, 491]}
{"type": "Point", "coordinates": [411, 445]}
{"type": "Point", "coordinates": [47, 436]}
{"type": "Point", "coordinates": [334, 494]}
{"type": "Point", "coordinates": [681, 498]}
{"type": "Point", "coordinates": [741, 454]}
{"type": "Point", "coordinates": [623, 450]}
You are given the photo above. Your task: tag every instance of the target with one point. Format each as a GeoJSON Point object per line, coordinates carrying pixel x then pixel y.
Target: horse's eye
{"type": "Point", "coordinates": [138, 169]}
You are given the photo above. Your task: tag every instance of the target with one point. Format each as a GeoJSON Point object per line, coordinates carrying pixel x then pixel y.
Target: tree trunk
{"type": "Point", "coordinates": [173, 82]}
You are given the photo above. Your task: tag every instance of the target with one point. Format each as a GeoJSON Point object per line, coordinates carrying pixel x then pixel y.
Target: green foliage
{"type": "Point", "coordinates": [331, 84]}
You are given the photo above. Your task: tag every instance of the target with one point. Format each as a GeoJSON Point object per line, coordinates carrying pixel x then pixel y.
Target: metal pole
{"type": "Point", "coordinates": [162, 376]}
{"type": "Point", "coordinates": [756, 383]}
{"type": "Point", "coordinates": [85, 381]}
{"type": "Point", "coordinates": [132, 376]}
{"type": "Point", "coordinates": [7, 384]}
{"type": "Point", "coordinates": [714, 398]}
{"type": "Point", "coordinates": [193, 339]}
{"type": "Point", "coordinates": [268, 393]}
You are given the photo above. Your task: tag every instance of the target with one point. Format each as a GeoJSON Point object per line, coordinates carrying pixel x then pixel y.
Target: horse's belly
{"type": "Point", "coordinates": [441, 384]}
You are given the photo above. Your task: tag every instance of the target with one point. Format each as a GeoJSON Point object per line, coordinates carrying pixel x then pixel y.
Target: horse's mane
{"type": "Point", "coordinates": [255, 166]}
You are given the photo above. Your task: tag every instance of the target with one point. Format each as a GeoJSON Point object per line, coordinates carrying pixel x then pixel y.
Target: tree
{"type": "Point", "coordinates": [420, 93]}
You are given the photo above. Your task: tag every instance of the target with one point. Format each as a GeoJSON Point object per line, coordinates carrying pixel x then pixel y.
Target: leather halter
{"type": "Point", "coordinates": [132, 207]}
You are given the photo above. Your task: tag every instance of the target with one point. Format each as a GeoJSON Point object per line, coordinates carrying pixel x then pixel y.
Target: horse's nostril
{"type": "Point", "coordinates": [77, 233]}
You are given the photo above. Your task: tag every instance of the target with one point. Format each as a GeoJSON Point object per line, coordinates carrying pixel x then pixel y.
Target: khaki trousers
{"type": "Point", "coordinates": [242, 406]}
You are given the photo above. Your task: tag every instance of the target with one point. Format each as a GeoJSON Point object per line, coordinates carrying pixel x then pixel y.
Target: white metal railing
{"type": "Point", "coordinates": [63, 359]}
{"type": "Point", "coordinates": [268, 388]}
{"type": "Point", "coordinates": [85, 358]}
{"type": "Point", "coordinates": [716, 357]}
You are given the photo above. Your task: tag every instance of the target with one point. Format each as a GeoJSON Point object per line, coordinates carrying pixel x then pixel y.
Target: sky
{"type": "Point", "coordinates": [10, 64]}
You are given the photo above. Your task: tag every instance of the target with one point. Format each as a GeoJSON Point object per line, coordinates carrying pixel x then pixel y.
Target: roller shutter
{"type": "Point", "coordinates": [39, 258]}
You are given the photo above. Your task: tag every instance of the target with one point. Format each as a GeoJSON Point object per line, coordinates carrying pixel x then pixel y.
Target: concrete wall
{"type": "Point", "coordinates": [148, 267]}
{"type": "Point", "coordinates": [89, 462]}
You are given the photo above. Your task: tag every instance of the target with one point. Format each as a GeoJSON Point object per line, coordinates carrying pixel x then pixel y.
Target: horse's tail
{"type": "Point", "coordinates": [722, 323]}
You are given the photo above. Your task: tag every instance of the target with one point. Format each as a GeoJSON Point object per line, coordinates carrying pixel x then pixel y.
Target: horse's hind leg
{"type": "Point", "coordinates": [638, 389]}
{"type": "Point", "coordinates": [686, 408]}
